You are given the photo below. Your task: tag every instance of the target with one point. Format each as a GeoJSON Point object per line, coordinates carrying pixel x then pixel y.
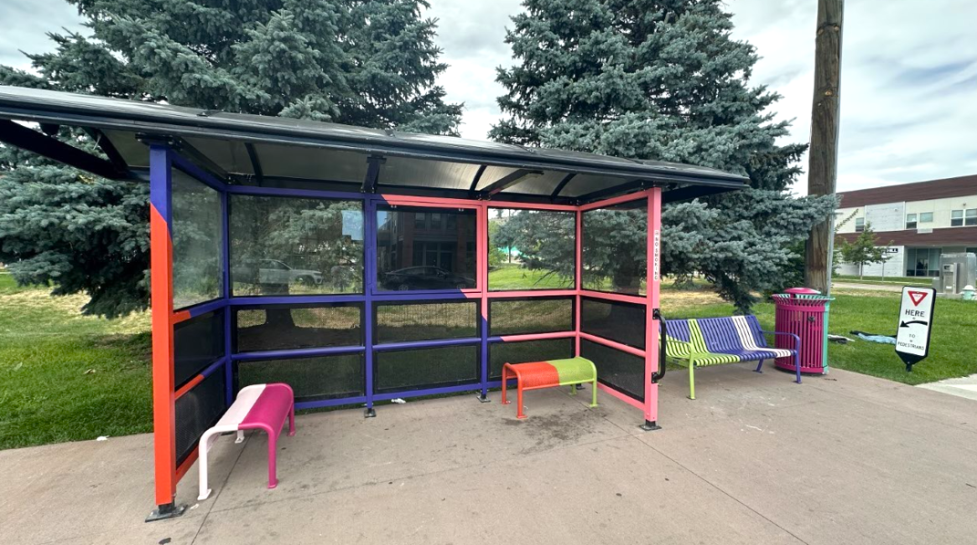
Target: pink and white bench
{"type": "Point", "coordinates": [257, 407]}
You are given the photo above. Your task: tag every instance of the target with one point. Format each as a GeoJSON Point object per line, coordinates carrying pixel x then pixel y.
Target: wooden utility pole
{"type": "Point", "coordinates": [822, 171]}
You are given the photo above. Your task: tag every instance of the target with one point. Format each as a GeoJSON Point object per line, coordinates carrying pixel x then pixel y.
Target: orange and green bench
{"type": "Point", "coordinates": [549, 374]}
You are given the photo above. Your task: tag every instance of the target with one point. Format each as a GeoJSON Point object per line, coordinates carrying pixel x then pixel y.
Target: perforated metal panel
{"type": "Point", "coordinates": [405, 322]}
{"type": "Point", "coordinates": [197, 343]}
{"type": "Point", "coordinates": [284, 327]}
{"type": "Point", "coordinates": [622, 371]}
{"type": "Point", "coordinates": [621, 322]}
{"type": "Point", "coordinates": [196, 411]}
{"type": "Point", "coordinates": [526, 351]}
{"type": "Point", "coordinates": [312, 379]}
{"type": "Point", "coordinates": [536, 315]}
{"type": "Point", "coordinates": [426, 368]}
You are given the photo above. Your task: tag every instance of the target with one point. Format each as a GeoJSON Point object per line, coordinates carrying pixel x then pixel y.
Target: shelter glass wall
{"type": "Point", "coordinates": [531, 249]}
{"type": "Point", "coordinates": [425, 249]}
{"type": "Point", "coordinates": [295, 246]}
{"type": "Point", "coordinates": [196, 228]}
{"type": "Point", "coordinates": [615, 248]}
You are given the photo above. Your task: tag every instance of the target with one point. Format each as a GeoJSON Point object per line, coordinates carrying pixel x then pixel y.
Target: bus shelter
{"type": "Point", "coordinates": [362, 265]}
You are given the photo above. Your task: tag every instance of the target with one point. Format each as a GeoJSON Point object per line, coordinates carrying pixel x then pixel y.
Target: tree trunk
{"type": "Point", "coordinates": [823, 153]}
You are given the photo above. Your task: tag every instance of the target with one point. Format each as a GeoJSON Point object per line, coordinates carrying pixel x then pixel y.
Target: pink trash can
{"type": "Point", "coordinates": [803, 312]}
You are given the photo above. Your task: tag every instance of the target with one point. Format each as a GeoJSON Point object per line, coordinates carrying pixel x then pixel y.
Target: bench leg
{"type": "Point", "coordinates": [797, 365]}
{"type": "Point", "coordinates": [519, 413]}
{"type": "Point", "coordinates": [759, 367]}
{"type": "Point", "coordinates": [202, 450]}
{"type": "Point", "coordinates": [272, 460]}
{"type": "Point", "coordinates": [691, 380]}
{"type": "Point", "coordinates": [593, 395]}
{"type": "Point", "coordinates": [240, 437]}
{"type": "Point", "coordinates": [573, 389]}
{"type": "Point", "coordinates": [291, 420]}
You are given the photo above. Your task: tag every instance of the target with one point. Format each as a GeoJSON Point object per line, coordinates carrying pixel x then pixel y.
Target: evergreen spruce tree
{"type": "Point", "coordinates": [664, 80]}
{"type": "Point", "coordinates": [370, 63]}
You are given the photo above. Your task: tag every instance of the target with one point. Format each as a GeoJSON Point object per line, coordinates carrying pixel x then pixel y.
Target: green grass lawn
{"type": "Point", "coordinates": [515, 277]}
{"type": "Point", "coordinates": [952, 345]}
{"type": "Point", "coordinates": [65, 376]}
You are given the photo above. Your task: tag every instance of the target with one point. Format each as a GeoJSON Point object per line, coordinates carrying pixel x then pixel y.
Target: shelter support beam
{"type": "Point", "coordinates": [56, 150]}
{"type": "Point", "coordinates": [161, 292]}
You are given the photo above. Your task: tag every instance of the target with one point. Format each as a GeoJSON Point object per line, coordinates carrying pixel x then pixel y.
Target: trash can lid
{"type": "Point", "coordinates": [802, 291]}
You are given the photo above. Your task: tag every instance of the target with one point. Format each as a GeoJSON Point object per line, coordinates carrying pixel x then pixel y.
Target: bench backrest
{"type": "Point", "coordinates": [727, 334]}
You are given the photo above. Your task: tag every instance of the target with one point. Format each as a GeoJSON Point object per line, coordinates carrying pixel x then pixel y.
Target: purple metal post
{"type": "Point", "coordinates": [226, 271]}
{"type": "Point", "coordinates": [369, 285]}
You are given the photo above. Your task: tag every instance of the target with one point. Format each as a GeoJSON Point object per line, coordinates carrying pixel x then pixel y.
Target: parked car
{"type": "Point", "coordinates": [425, 278]}
{"type": "Point", "coordinates": [273, 271]}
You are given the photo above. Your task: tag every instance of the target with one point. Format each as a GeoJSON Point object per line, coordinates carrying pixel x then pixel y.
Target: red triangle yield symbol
{"type": "Point", "coordinates": [917, 297]}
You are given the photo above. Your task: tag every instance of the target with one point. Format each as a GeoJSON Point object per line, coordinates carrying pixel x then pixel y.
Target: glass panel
{"type": "Point", "coordinates": [526, 351]}
{"type": "Point", "coordinates": [910, 221]}
{"type": "Point", "coordinates": [970, 218]}
{"type": "Point", "coordinates": [312, 379]}
{"type": "Point", "coordinates": [413, 254]}
{"type": "Point", "coordinates": [196, 411]}
{"type": "Point", "coordinates": [531, 249]}
{"type": "Point", "coordinates": [196, 227]}
{"type": "Point", "coordinates": [280, 327]}
{"type": "Point", "coordinates": [859, 225]}
{"type": "Point", "coordinates": [289, 246]}
{"type": "Point", "coordinates": [426, 368]}
{"type": "Point", "coordinates": [621, 322]}
{"type": "Point", "coordinates": [197, 343]}
{"type": "Point", "coordinates": [615, 248]}
{"type": "Point", "coordinates": [519, 316]}
{"type": "Point", "coordinates": [398, 322]}
{"type": "Point", "coordinates": [622, 371]}
{"type": "Point", "coordinates": [926, 217]}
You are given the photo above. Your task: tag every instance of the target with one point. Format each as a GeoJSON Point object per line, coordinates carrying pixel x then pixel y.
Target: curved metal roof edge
{"type": "Point", "coordinates": [165, 120]}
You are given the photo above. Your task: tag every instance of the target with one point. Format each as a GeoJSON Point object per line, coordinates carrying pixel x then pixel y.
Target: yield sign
{"type": "Point", "coordinates": [917, 297]}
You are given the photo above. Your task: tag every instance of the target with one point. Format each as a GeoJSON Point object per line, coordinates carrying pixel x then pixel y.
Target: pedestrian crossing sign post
{"type": "Point", "coordinates": [915, 324]}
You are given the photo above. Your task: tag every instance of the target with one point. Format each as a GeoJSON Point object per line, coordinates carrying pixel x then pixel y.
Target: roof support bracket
{"type": "Point", "coordinates": [507, 181]}
{"type": "Point", "coordinates": [56, 150]}
{"type": "Point", "coordinates": [563, 183]}
{"type": "Point", "coordinates": [373, 163]}
{"type": "Point", "coordinates": [204, 162]}
{"type": "Point", "coordinates": [259, 174]}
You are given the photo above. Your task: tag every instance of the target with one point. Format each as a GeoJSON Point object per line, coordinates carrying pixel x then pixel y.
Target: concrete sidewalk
{"type": "Point", "coordinates": [962, 387]}
{"type": "Point", "coordinates": [755, 460]}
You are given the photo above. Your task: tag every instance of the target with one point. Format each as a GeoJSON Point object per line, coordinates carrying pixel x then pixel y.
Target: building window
{"type": "Point", "coordinates": [910, 221]}
{"type": "Point", "coordinates": [926, 217]}
{"type": "Point", "coordinates": [970, 250]}
{"type": "Point", "coordinates": [923, 261]}
{"type": "Point", "coordinates": [956, 218]}
{"type": "Point", "coordinates": [420, 220]}
{"type": "Point", "coordinates": [970, 217]}
{"type": "Point", "coordinates": [859, 225]}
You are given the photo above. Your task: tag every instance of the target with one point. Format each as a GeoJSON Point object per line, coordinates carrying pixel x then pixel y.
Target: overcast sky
{"type": "Point", "coordinates": [909, 78]}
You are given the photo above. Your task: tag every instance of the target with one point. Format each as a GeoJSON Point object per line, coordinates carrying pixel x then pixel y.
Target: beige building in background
{"type": "Point", "coordinates": [917, 223]}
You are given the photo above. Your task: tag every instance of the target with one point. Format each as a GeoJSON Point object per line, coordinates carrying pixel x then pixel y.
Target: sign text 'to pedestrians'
{"type": "Point", "coordinates": [915, 324]}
